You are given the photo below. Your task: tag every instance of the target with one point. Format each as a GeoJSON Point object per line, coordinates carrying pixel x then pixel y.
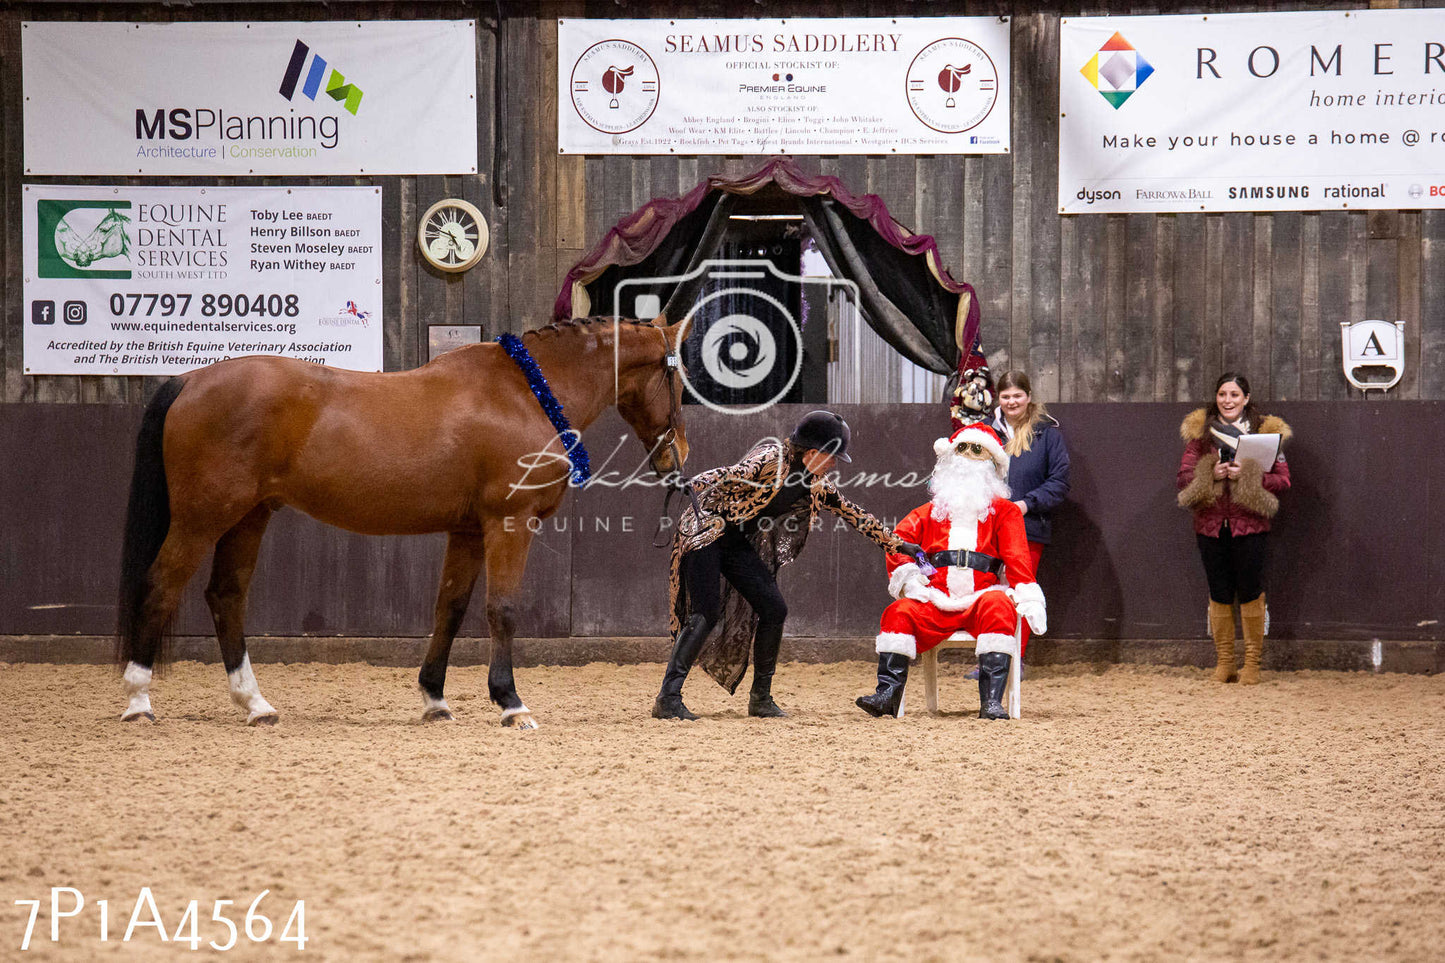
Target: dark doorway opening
{"type": "Point", "coordinates": [749, 341]}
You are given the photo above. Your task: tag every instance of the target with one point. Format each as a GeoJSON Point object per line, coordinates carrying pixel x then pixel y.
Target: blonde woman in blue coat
{"type": "Point", "coordinates": [1038, 472]}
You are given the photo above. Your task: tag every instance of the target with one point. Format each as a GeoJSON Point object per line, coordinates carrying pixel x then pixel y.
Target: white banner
{"type": "Point", "coordinates": [825, 86]}
{"type": "Point", "coordinates": [1252, 112]}
{"type": "Point", "coordinates": [160, 280]}
{"type": "Point", "coordinates": [236, 99]}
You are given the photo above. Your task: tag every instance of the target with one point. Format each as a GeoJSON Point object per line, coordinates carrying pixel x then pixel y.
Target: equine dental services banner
{"type": "Point", "coordinates": [160, 280]}
{"type": "Point", "coordinates": [806, 86]}
{"type": "Point", "coordinates": [1303, 111]}
{"type": "Point", "coordinates": [230, 99]}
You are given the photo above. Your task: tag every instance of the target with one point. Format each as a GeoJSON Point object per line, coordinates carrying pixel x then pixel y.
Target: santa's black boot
{"type": "Point", "coordinates": [668, 704]}
{"type": "Point", "coordinates": [992, 679]}
{"type": "Point", "coordinates": [765, 660]}
{"type": "Point", "coordinates": [892, 676]}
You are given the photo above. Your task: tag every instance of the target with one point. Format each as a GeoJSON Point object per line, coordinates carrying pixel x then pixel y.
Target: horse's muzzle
{"type": "Point", "coordinates": [668, 455]}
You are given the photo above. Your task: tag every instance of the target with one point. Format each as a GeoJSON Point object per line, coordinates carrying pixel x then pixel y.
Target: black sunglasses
{"type": "Point", "coordinates": [972, 447]}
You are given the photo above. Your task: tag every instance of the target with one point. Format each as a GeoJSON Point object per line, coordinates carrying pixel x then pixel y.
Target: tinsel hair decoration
{"type": "Point", "coordinates": [537, 381]}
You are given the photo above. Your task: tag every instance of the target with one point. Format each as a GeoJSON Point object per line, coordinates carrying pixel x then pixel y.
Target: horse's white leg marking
{"type": "Point", "coordinates": [137, 687]}
{"type": "Point", "coordinates": [521, 717]}
{"type": "Point", "coordinates": [247, 694]}
{"type": "Point", "coordinates": [434, 709]}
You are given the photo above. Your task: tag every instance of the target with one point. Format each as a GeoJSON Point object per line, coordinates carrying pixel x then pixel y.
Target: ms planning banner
{"type": "Point", "coordinates": [1309, 111]}
{"type": "Point", "coordinates": [241, 99]}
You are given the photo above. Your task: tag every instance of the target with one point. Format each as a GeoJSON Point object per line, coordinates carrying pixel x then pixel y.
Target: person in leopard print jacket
{"type": "Point", "coordinates": [755, 516]}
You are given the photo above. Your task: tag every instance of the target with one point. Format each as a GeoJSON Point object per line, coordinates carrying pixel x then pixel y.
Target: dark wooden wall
{"type": "Point", "coordinates": [1356, 551]}
{"type": "Point", "coordinates": [1100, 308]}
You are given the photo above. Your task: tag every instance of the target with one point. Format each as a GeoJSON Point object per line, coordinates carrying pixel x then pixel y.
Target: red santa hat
{"type": "Point", "coordinates": [980, 434]}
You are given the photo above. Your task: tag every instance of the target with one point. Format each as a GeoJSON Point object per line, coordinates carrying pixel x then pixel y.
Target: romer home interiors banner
{"type": "Point", "coordinates": [240, 99]}
{"type": "Point", "coordinates": [160, 280]}
{"type": "Point", "coordinates": [807, 86]}
{"type": "Point", "coordinates": [1252, 112]}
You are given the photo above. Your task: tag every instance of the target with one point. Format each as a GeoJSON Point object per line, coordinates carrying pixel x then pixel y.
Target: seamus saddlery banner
{"type": "Point", "coordinates": [1309, 111]}
{"type": "Point", "coordinates": [160, 280]}
{"type": "Point", "coordinates": [241, 99]}
{"type": "Point", "coordinates": [922, 85]}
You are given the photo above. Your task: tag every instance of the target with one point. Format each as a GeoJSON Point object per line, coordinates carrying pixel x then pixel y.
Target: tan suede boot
{"type": "Point", "coordinates": [1251, 617]}
{"type": "Point", "coordinates": [1221, 626]}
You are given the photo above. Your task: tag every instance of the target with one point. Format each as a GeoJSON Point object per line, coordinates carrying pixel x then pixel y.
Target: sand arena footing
{"type": "Point", "coordinates": [1280, 655]}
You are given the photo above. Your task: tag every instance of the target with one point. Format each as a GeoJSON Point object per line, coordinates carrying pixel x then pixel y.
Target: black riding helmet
{"type": "Point", "coordinates": [824, 431]}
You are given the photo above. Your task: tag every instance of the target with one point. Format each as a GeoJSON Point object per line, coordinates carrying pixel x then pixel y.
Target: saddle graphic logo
{"type": "Point", "coordinates": [336, 86]}
{"type": "Point", "coordinates": [614, 86]}
{"type": "Point", "coordinates": [952, 85]}
{"type": "Point", "coordinates": [1117, 70]}
{"type": "Point", "coordinates": [83, 239]}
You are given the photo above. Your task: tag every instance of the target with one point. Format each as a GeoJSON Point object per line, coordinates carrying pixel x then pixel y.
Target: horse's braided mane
{"type": "Point", "coordinates": [576, 324]}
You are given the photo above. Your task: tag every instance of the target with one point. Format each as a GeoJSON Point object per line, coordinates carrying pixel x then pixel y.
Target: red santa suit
{"type": "Point", "coordinates": [958, 597]}
{"type": "Point", "coordinates": [969, 512]}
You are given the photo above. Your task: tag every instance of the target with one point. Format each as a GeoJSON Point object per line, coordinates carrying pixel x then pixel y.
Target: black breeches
{"type": "Point", "coordinates": [1234, 566]}
{"type": "Point", "coordinates": [732, 557]}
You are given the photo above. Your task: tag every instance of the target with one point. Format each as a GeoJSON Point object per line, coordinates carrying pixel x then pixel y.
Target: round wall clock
{"type": "Point", "coordinates": [452, 235]}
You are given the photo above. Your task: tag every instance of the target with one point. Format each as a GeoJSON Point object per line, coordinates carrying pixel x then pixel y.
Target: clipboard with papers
{"type": "Point", "coordinates": [1262, 448]}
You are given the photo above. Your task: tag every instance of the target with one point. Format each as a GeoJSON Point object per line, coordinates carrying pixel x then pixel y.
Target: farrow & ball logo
{"type": "Point", "coordinates": [83, 239]}
{"type": "Point", "coordinates": [614, 86]}
{"type": "Point", "coordinates": [952, 85]}
{"type": "Point", "coordinates": [1117, 70]}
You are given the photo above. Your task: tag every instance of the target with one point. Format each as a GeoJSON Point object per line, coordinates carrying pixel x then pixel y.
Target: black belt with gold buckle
{"type": "Point", "coordinates": [966, 559]}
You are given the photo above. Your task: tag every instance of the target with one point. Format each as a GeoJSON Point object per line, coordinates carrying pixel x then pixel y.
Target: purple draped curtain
{"type": "Point", "coordinates": [907, 295]}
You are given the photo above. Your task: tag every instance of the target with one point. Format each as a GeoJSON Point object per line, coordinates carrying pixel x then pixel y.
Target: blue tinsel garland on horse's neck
{"type": "Point", "coordinates": [576, 452]}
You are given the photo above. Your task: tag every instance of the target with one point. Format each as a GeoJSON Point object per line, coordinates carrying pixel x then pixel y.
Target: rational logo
{"type": "Point", "coordinates": [82, 239]}
{"type": "Point", "coordinates": [1117, 70]}
{"type": "Point", "coordinates": [336, 86]}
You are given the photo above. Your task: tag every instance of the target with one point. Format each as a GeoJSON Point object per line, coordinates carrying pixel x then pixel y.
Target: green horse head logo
{"type": "Point", "coordinates": [76, 236]}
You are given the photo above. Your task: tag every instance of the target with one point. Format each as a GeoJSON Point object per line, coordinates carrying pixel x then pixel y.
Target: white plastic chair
{"type": "Point", "coordinates": [928, 662]}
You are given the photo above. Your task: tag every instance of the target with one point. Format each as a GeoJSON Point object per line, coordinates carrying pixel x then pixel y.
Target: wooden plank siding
{"type": "Point", "coordinates": [1097, 308]}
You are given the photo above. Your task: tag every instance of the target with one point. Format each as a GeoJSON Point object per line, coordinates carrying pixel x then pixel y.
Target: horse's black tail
{"type": "Point", "coordinates": [147, 520]}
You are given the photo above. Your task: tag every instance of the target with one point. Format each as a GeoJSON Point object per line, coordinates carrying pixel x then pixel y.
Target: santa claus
{"type": "Point", "coordinates": [973, 573]}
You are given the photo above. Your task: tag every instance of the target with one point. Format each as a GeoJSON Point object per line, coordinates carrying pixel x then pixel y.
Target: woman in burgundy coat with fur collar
{"type": "Point", "coordinates": [1233, 503]}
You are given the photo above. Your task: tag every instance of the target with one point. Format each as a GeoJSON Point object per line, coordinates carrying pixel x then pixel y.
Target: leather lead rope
{"type": "Point", "coordinates": [674, 419]}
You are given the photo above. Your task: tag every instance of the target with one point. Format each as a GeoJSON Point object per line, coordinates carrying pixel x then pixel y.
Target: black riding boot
{"type": "Point", "coordinates": [892, 675]}
{"type": "Point", "coordinates": [668, 704]}
{"type": "Point", "coordinates": [765, 661]}
{"type": "Point", "coordinates": [992, 679]}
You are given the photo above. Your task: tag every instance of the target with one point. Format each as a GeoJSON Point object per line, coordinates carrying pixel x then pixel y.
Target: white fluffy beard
{"type": "Point", "coordinates": [964, 487]}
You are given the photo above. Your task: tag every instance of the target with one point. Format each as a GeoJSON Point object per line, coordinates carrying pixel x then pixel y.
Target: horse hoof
{"type": "Point", "coordinates": [264, 719]}
{"type": "Point", "coordinates": [438, 715]}
{"type": "Point", "coordinates": [148, 716]}
{"type": "Point", "coordinates": [521, 720]}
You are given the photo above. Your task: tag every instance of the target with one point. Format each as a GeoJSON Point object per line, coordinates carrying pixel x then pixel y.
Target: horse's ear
{"type": "Point", "coordinates": [674, 331]}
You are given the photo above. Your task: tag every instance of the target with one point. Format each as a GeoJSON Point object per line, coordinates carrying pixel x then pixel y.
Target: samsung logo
{"type": "Point", "coordinates": [1277, 192]}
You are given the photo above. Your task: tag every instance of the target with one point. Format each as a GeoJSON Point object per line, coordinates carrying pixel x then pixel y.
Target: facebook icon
{"type": "Point", "coordinates": [42, 312]}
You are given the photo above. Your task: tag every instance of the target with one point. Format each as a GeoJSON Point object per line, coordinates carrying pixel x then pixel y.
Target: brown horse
{"type": "Point", "coordinates": [435, 449]}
